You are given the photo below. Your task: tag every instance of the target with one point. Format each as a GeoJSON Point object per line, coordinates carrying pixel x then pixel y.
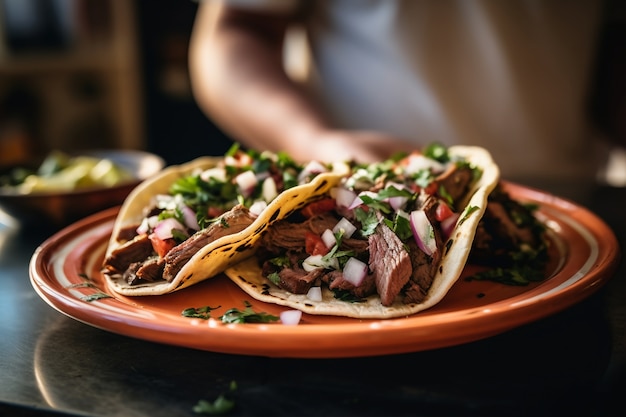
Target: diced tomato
{"type": "Point", "coordinates": [161, 246]}
{"type": "Point", "coordinates": [214, 212]}
{"type": "Point", "coordinates": [431, 188]}
{"type": "Point", "coordinates": [314, 245]}
{"type": "Point", "coordinates": [443, 211]}
{"type": "Point", "coordinates": [319, 207]}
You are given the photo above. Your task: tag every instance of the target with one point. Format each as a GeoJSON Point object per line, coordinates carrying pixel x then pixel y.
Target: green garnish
{"type": "Point", "coordinates": [274, 278]}
{"type": "Point", "coordinates": [368, 221]}
{"type": "Point", "coordinates": [220, 406]}
{"type": "Point", "coordinates": [527, 265]}
{"type": "Point", "coordinates": [236, 316]}
{"type": "Point", "coordinates": [401, 226]}
{"type": "Point", "coordinates": [438, 152]}
{"type": "Point", "coordinates": [95, 296]}
{"type": "Point", "coordinates": [466, 213]}
{"type": "Point", "coordinates": [203, 313]}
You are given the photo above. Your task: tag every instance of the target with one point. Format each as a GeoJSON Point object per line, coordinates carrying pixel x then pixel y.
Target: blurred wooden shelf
{"type": "Point", "coordinates": [101, 58]}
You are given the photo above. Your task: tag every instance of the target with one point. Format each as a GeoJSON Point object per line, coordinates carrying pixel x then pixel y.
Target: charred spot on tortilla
{"type": "Point", "coordinates": [274, 216]}
{"type": "Point", "coordinates": [448, 246]}
{"type": "Point", "coordinates": [242, 248]}
{"type": "Point", "coordinates": [182, 281]}
{"type": "Point", "coordinates": [321, 186]}
{"type": "Point", "coordinates": [243, 279]}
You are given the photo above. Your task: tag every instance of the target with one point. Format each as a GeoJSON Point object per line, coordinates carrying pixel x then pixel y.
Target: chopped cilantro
{"type": "Point", "coordinates": [236, 316]}
{"type": "Point", "coordinates": [466, 213]}
{"type": "Point", "coordinates": [527, 265]}
{"type": "Point", "coordinates": [376, 204]}
{"type": "Point", "coordinates": [423, 177]}
{"type": "Point", "coordinates": [199, 313]}
{"type": "Point", "coordinates": [222, 404]}
{"type": "Point", "coordinates": [401, 226]}
{"type": "Point", "coordinates": [280, 261]}
{"type": "Point", "coordinates": [443, 193]}
{"type": "Point", "coordinates": [274, 278]}
{"type": "Point", "coordinates": [368, 219]}
{"type": "Point", "coordinates": [95, 296]}
{"type": "Point", "coordinates": [232, 151]}
{"type": "Point", "coordinates": [438, 152]}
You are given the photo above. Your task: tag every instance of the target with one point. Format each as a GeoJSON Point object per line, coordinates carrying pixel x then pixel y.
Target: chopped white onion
{"type": "Point", "coordinates": [328, 237]}
{"type": "Point", "coordinates": [345, 226]}
{"type": "Point", "coordinates": [191, 221]}
{"type": "Point", "coordinates": [355, 271]}
{"type": "Point", "coordinates": [313, 167]}
{"type": "Point", "coordinates": [318, 261]}
{"type": "Point", "coordinates": [397, 202]}
{"type": "Point", "coordinates": [269, 190]}
{"type": "Point", "coordinates": [290, 317]}
{"type": "Point", "coordinates": [358, 201]}
{"type": "Point", "coordinates": [147, 224]}
{"type": "Point", "coordinates": [423, 232]}
{"type": "Point", "coordinates": [314, 294]}
{"type": "Point", "coordinates": [246, 181]}
{"type": "Point", "coordinates": [165, 201]}
{"type": "Point", "coordinates": [163, 230]}
{"type": "Point", "coordinates": [418, 162]}
{"type": "Point", "coordinates": [257, 207]}
{"type": "Point", "coordinates": [217, 173]}
{"type": "Point", "coordinates": [343, 196]}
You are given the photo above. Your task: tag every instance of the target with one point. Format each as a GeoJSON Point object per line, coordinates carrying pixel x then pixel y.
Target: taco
{"type": "Point", "coordinates": [194, 220]}
{"type": "Point", "coordinates": [390, 240]}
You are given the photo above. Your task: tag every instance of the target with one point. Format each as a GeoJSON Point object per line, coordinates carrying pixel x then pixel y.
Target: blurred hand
{"type": "Point", "coordinates": [344, 145]}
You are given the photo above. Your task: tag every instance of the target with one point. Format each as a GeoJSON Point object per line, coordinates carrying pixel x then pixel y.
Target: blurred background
{"type": "Point", "coordinates": [85, 74]}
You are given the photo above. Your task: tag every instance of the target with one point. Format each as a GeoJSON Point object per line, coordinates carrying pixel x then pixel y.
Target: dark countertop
{"type": "Point", "coordinates": [571, 363]}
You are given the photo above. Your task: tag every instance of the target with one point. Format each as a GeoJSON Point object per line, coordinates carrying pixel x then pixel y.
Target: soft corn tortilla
{"type": "Point", "coordinates": [248, 275]}
{"type": "Point", "coordinates": [215, 257]}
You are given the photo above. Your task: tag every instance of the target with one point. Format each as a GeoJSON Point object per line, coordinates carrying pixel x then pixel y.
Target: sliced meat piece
{"type": "Point", "coordinates": [288, 235]}
{"type": "Point", "coordinates": [336, 281]}
{"type": "Point", "coordinates": [136, 250]}
{"type": "Point", "coordinates": [229, 223]}
{"type": "Point", "coordinates": [151, 270]}
{"type": "Point", "coordinates": [424, 267]}
{"type": "Point", "coordinates": [298, 281]}
{"type": "Point", "coordinates": [456, 181]}
{"type": "Point", "coordinates": [127, 233]}
{"type": "Point", "coordinates": [389, 262]}
{"type": "Point", "coordinates": [422, 275]}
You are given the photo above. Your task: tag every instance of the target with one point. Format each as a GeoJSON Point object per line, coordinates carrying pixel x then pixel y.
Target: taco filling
{"type": "Point", "coordinates": [175, 221]}
{"type": "Point", "coordinates": [390, 240]}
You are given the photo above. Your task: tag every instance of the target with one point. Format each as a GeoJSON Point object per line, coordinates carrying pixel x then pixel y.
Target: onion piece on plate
{"type": "Point", "coordinates": [290, 317]}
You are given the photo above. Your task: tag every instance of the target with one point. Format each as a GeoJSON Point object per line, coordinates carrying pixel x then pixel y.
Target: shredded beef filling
{"type": "Point", "coordinates": [397, 269]}
{"type": "Point", "coordinates": [137, 261]}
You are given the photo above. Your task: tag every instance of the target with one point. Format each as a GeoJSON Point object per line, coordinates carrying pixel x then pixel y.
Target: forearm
{"type": "Point", "coordinates": [239, 81]}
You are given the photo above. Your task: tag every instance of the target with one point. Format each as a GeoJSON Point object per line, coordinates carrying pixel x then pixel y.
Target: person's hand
{"type": "Point", "coordinates": [345, 145]}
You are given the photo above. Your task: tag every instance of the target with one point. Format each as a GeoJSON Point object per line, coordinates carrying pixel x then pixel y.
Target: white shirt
{"type": "Point", "coordinates": [511, 76]}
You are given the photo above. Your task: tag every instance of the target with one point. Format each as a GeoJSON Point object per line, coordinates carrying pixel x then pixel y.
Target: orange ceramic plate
{"type": "Point", "coordinates": [65, 272]}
